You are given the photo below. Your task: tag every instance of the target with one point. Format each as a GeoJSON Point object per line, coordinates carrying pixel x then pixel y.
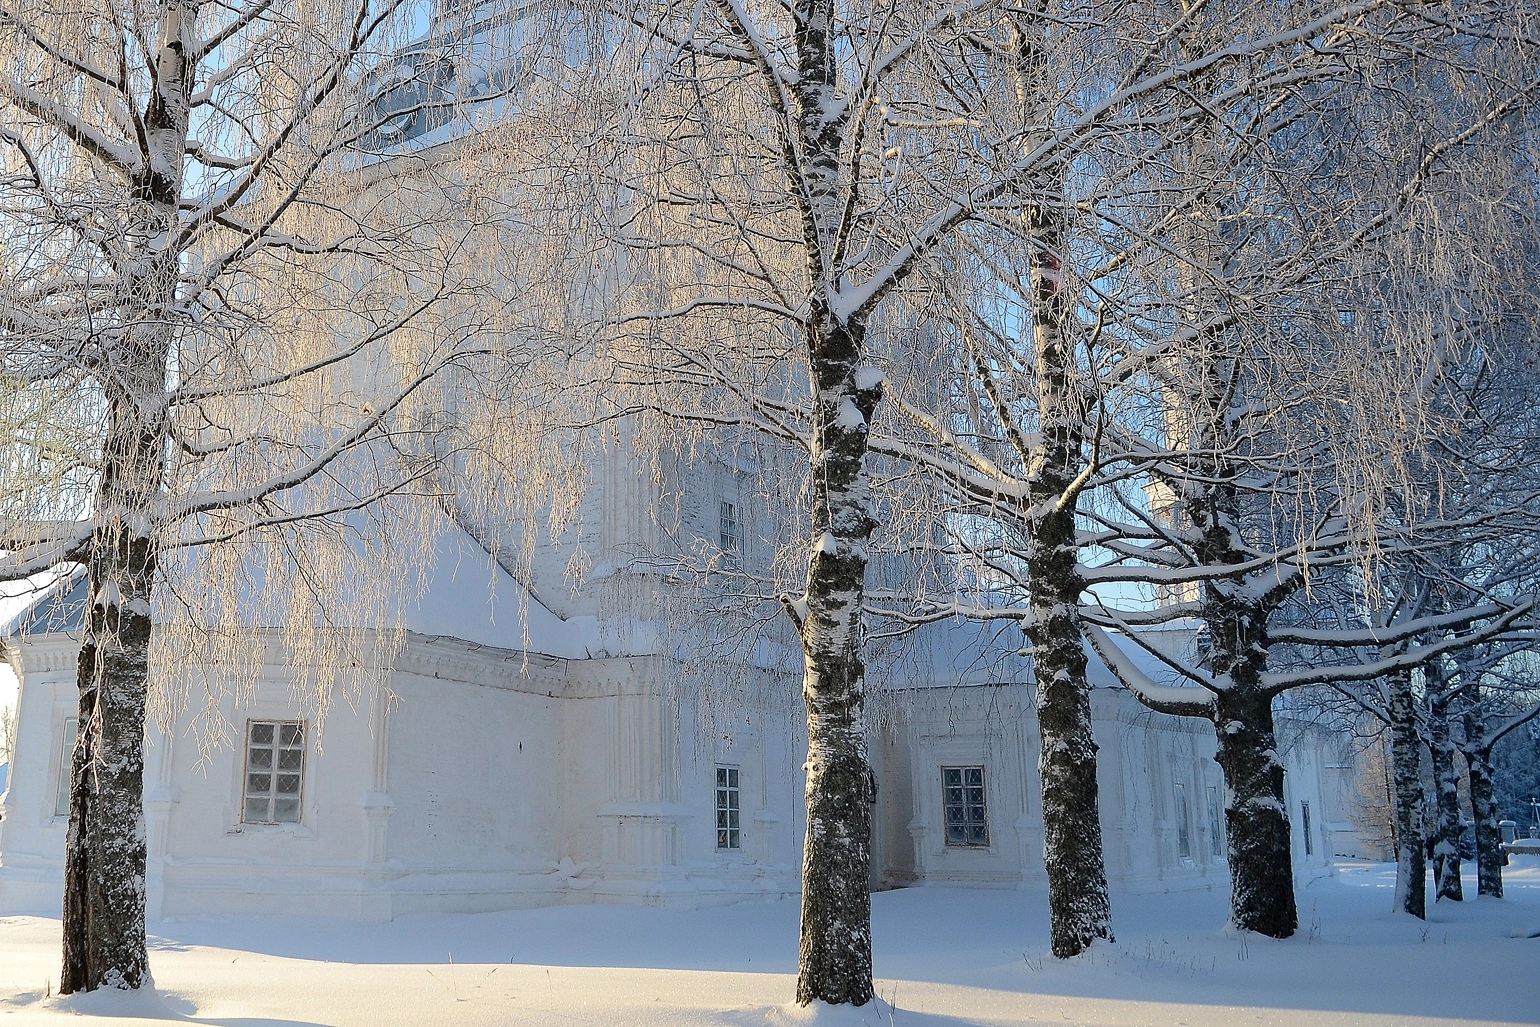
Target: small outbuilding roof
{"type": "Point", "coordinates": [58, 606]}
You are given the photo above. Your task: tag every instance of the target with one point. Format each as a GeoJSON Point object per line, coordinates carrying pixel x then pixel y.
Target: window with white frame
{"type": "Point", "coordinates": [729, 809]}
{"type": "Point", "coordinates": [729, 536]}
{"type": "Point", "coordinates": [1216, 830]}
{"type": "Point", "coordinates": [963, 808]}
{"type": "Point", "coordinates": [275, 770]}
{"type": "Point", "coordinates": [61, 802]}
{"type": "Point", "coordinates": [1183, 830]}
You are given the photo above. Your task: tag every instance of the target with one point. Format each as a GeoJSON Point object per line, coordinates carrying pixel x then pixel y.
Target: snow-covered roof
{"type": "Point", "coordinates": [958, 652]}
{"type": "Point", "coordinates": [1177, 639]}
{"type": "Point", "coordinates": [57, 606]}
{"type": "Point", "coordinates": [963, 652]}
{"type": "Point", "coordinates": [469, 596]}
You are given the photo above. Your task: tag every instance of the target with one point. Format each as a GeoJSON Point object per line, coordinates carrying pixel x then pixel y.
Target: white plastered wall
{"type": "Point", "coordinates": [1142, 759]}
{"type": "Point", "coordinates": [497, 779]}
{"type": "Point", "coordinates": [32, 831]}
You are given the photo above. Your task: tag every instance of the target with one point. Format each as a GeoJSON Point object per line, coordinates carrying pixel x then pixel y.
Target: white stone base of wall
{"type": "Point", "coordinates": [36, 887]}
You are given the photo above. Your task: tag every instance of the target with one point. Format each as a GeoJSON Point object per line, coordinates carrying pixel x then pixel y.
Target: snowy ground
{"type": "Point", "coordinates": [945, 957]}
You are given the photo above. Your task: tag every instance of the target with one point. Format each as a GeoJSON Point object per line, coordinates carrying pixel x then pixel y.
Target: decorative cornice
{"type": "Point", "coordinates": [440, 657]}
{"type": "Point", "coordinates": [451, 659]}
{"type": "Point", "coordinates": [42, 654]}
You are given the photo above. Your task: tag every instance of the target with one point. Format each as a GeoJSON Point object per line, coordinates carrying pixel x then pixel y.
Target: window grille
{"type": "Point", "coordinates": [275, 768]}
{"type": "Point", "coordinates": [728, 809]}
{"type": "Point", "coordinates": [962, 799]}
{"type": "Point", "coordinates": [729, 537]}
{"type": "Point", "coordinates": [61, 802]}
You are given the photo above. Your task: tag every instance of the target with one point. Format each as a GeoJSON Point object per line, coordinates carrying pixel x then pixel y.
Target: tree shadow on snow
{"type": "Point", "coordinates": [1351, 954]}
{"type": "Point", "coordinates": [150, 1004]}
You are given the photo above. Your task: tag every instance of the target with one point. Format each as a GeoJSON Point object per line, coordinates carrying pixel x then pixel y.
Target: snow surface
{"type": "Point", "coordinates": [944, 957]}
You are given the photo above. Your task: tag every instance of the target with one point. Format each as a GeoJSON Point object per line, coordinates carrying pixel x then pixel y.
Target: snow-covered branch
{"type": "Point", "coordinates": [1178, 702]}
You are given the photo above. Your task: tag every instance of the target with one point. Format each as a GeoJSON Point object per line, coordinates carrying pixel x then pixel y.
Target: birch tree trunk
{"type": "Point", "coordinates": [835, 951]}
{"type": "Point", "coordinates": [1256, 821]}
{"type": "Point", "coordinates": [1489, 835]}
{"type": "Point", "coordinates": [1446, 780]}
{"type": "Point", "coordinates": [1476, 746]}
{"type": "Point", "coordinates": [1236, 615]}
{"type": "Point", "coordinates": [104, 868]}
{"type": "Point", "coordinates": [104, 865]}
{"type": "Point", "coordinates": [835, 955]}
{"type": "Point", "coordinates": [1078, 905]}
{"type": "Point", "coordinates": [1256, 818]}
{"type": "Point", "coordinates": [104, 858]}
{"type": "Point", "coordinates": [1079, 909]}
{"type": "Point", "coordinates": [1405, 758]}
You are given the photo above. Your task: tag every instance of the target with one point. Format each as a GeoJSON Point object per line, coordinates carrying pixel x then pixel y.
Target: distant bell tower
{"type": "Point", "coordinates": [1166, 509]}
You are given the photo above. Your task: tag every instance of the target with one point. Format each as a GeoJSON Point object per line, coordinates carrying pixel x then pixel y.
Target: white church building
{"type": "Point", "coordinates": [538, 762]}
{"type": "Point", "coordinates": [524, 750]}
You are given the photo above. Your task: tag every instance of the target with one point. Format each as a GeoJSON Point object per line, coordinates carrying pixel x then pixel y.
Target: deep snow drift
{"type": "Point", "coordinates": [944, 957]}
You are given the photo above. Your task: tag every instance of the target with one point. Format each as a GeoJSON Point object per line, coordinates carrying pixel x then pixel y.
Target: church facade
{"type": "Point", "coordinates": [543, 770]}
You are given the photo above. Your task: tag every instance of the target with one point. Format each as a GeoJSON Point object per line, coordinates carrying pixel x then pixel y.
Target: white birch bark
{"type": "Point", "coordinates": [1446, 783]}
{"type": "Point", "coordinates": [1406, 772]}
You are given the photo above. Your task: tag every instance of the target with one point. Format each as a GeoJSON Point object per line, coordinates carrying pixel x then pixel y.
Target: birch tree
{"type": "Point", "coordinates": [1205, 404]}
{"type": "Point", "coordinates": [1439, 573]}
{"type": "Point", "coordinates": [800, 164]}
{"type": "Point", "coordinates": [224, 316]}
{"type": "Point", "coordinates": [781, 102]}
{"type": "Point", "coordinates": [1485, 720]}
{"type": "Point", "coordinates": [803, 182]}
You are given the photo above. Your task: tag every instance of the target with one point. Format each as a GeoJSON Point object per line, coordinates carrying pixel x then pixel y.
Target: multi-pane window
{"type": "Point", "coordinates": [61, 802]}
{"type": "Point", "coordinates": [1183, 830]}
{"type": "Point", "coordinates": [729, 537]}
{"type": "Point", "coordinates": [1216, 838]}
{"type": "Point", "coordinates": [1304, 823]}
{"type": "Point", "coordinates": [962, 800]}
{"type": "Point", "coordinates": [728, 809]}
{"type": "Point", "coordinates": [275, 766]}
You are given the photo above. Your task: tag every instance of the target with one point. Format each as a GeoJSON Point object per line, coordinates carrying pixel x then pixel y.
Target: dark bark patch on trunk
{"type": "Point", "coordinates": [835, 954]}
{"type": "Point", "coordinates": [104, 897]}
{"type": "Point", "coordinates": [1405, 759]}
{"type": "Point", "coordinates": [1256, 821]}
